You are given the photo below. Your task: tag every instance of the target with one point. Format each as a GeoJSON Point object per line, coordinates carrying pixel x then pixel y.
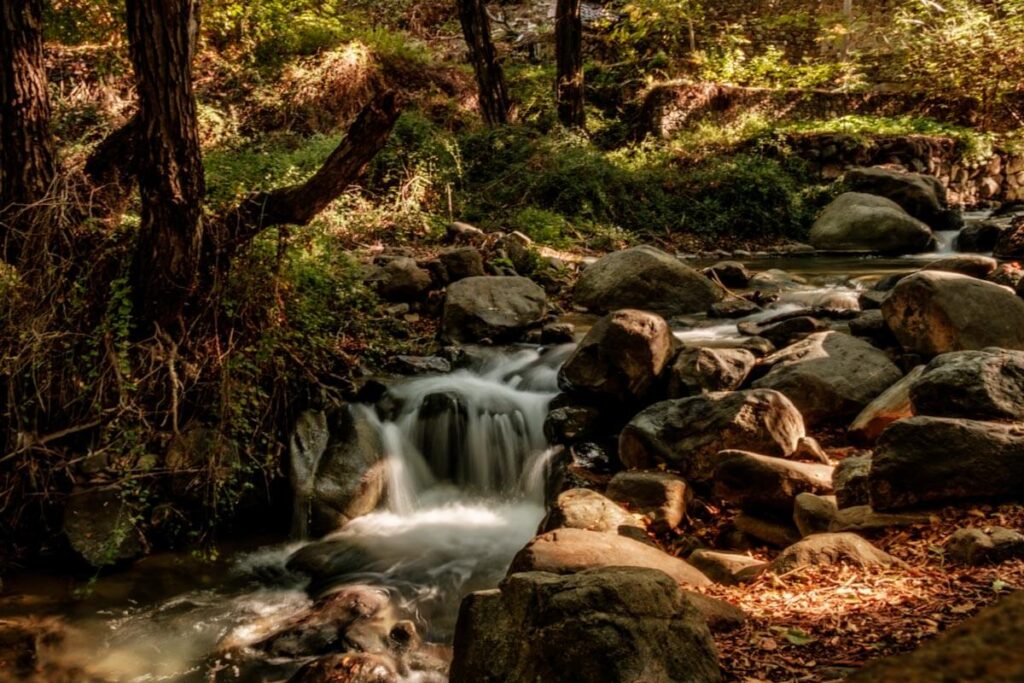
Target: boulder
{"type": "Point", "coordinates": [733, 307]}
{"type": "Point", "coordinates": [586, 509]}
{"type": "Point", "coordinates": [99, 526]}
{"type": "Point", "coordinates": [702, 370]}
{"type": "Point", "coordinates": [829, 549]}
{"type": "Point", "coordinates": [645, 278]}
{"type": "Point", "coordinates": [401, 279]}
{"type": "Point", "coordinates": [984, 648]}
{"type": "Point", "coordinates": [891, 405]}
{"type": "Point", "coordinates": [465, 233]}
{"type": "Point", "coordinates": [462, 262]}
{"type": "Point", "coordinates": [785, 332]}
{"type": "Point", "coordinates": [558, 333]}
{"type": "Point", "coordinates": [621, 357]}
{"type": "Point", "coordinates": [922, 196]}
{"type": "Point", "coordinates": [973, 265]}
{"type": "Point", "coordinates": [496, 308]}
{"type": "Point", "coordinates": [1010, 243]}
{"type": "Point", "coordinates": [979, 237]}
{"type": "Point", "coordinates": [977, 547]}
{"type": "Point", "coordinates": [613, 625]}
{"type": "Point", "coordinates": [771, 531]}
{"type": "Point", "coordinates": [520, 251]}
{"type": "Point", "coordinates": [569, 424]}
{"type": "Point", "coordinates": [829, 375]}
{"type": "Point", "coordinates": [726, 568]}
{"type": "Point", "coordinates": [937, 460]}
{"type": "Point", "coordinates": [932, 312]}
{"type": "Point", "coordinates": [659, 496]}
{"type": "Point", "coordinates": [567, 551]}
{"type": "Point", "coordinates": [813, 514]}
{"type": "Point", "coordinates": [686, 434]}
{"type": "Point", "coordinates": [776, 280]}
{"type": "Point", "coordinates": [731, 274]}
{"type": "Point", "coordinates": [983, 385]}
{"type": "Point", "coordinates": [850, 481]}
{"type": "Point", "coordinates": [868, 223]}
{"type": "Point", "coordinates": [759, 483]}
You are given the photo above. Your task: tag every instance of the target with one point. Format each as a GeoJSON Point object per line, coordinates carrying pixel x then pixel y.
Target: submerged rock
{"type": "Point", "coordinates": [864, 222]}
{"type": "Point", "coordinates": [613, 625]}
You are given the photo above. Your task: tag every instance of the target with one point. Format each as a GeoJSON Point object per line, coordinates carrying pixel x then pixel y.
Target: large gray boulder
{"type": "Point", "coordinates": [686, 434]}
{"type": "Point", "coordinates": [613, 625]}
{"type": "Point", "coordinates": [868, 223]}
{"type": "Point", "coordinates": [932, 312]}
{"type": "Point", "coordinates": [922, 196]}
{"type": "Point", "coordinates": [829, 375]}
{"type": "Point", "coordinates": [495, 308]}
{"type": "Point", "coordinates": [338, 470]}
{"type": "Point", "coordinates": [937, 460]}
{"type": "Point", "coordinates": [567, 551]}
{"type": "Point", "coordinates": [645, 278]}
{"type": "Point", "coordinates": [621, 357]}
{"type": "Point", "coordinates": [983, 385]}
{"type": "Point", "coordinates": [759, 483]}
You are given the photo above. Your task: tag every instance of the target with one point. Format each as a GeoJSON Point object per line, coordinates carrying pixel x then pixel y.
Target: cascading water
{"type": "Point", "coordinates": [467, 462]}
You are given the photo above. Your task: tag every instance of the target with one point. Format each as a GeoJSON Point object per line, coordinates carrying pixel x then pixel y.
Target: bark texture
{"type": "Point", "coordinates": [569, 53]}
{"type": "Point", "coordinates": [476, 26]}
{"type": "Point", "coordinates": [161, 35]}
{"type": "Point", "coordinates": [27, 160]}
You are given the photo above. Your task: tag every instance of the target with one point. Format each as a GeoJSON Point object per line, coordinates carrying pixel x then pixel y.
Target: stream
{"type": "Point", "coordinates": [467, 463]}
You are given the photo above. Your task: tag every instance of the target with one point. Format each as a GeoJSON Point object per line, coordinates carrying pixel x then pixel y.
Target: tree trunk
{"type": "Point", "coordinates": [27, 160]}
{"type": "Point", "coordinates": [476, 25]}
{"type": "Point", "coordinates": [569, 52]}
{"type": "Point", "coordinates": [161, 35]}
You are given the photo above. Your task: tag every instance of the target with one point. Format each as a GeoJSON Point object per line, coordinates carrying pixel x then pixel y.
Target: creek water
{"type": "Point", "coordinates": [467, 462]}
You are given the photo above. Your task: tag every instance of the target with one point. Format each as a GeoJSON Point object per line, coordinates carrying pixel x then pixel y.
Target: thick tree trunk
{"type": "Point", "coordinates": [27, 165]}
{"type": "Point", "coordinates": [569, 53]}
{"type": "Point", "coordinates": [161, 35]}
{"type": "Point", "coordinates": [476, 26]}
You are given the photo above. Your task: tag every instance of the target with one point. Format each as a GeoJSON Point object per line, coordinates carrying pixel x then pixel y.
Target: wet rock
{"type": "Point", "coordinates": [922, 196]}
{"type": "Point", "coordinates": [936, 460]}
{"type": "Point", "coordinates": [644, 278]}
{"type": "Point", "coordinates": [983, 385]}
{"type": "Point", "coordinates": [686, 434]}
{"type": "Point", "coordinates": [778, 533]}
{"type": "Point", "coordinates": [726, 568]}
{"type": "Point", "coordinates": [776, 280]}
{"type": "Point", "coordinates": [422, 365]}
{"type": "Point", "coordinates": [567, 551]}
{"type": "Point", "coordinates": [462, 262]}
{"type": "Point", "coordinates": [985, 647]}
{"type": "Point", "coordinates": [572, 423]}
{"type": "Point", "coordinates": [704, 370]}
{"type": "Point", "coordinates": [850, 481]}
{"type": "Point", "coordinates": [616, 625]}
{"type": "Point", "coordinates": [558, 333]}
{"type": "Point", "coordinates": [465, 233]}
{"type": "Point", "coordinates": [401, 279]}
{"type": "Point", "coordinates": [731, 274]}
{"type": "Point", "coordinates": [891, 405]}
{"type": "Point", "coordinates": [99, 526]}
{"type": "Point", "coordinates": [733, 307]}
{"type": "Point", "coordinates": [829, 376]}
{"type": "Point", "coordinates": [973, 265]}
{"type": "Point", "coordinates": [586, 509]}
{"type": "Point", "coordinates": [814, 514]}
{"type": "Point", "coordinates": [978, 547]}
{"type": "Point", "coordinates": [785, 332]}
{"type": "Point", "coordinates": [621, 357]}
{"type": "Point", "coordinates": [495, 308]}
{"type": "Point", "coordinates": [979, 237]}
{"type": "Point", "coordinates": [659, 496]}
{"type": "Point", "coordinates": [829, 549]}
{"type": "Point", "coordinates": [759, 483]}
{"type": "Point", "coordinates": [932, 312]}
{"type": "Point", "coordinates": [863, 222]}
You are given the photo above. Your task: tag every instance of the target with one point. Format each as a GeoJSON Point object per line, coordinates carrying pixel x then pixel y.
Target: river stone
{"type": "Point", "coordinates": [462, 262]}
{"type": "Point", "coordinates": [586, 509]}
{"type": "Point", "coordinates": [1010, 243]}
{"type": "Point", "coordinates": [891, 405]}
{"type": "Point", "coordinates": [686, 434]}
{"type": "Point", "coordinates": [984, 648]}
{"type": "Point", "coordinates": [569, 424]}
{"type": "Point", "coordinates": [613, 625]}
{"type": "Point", "coordinates": [621, 357]}
{"type": "Point", "coordinates": [776, 280]}
{"type": "Point", "coordinates": [922, 196]}
{"type": "Point", "coordinates": [401, 279]}
{"type": "Point", "coordinates": [982, 385]}
{"type": "Point", "coordinates": [974, 265]}
{"type": "Point", "coordinates": [350, 475]}
{"type": "Point", "coordinates": [759, 483]}
{"type": "Point", "coordinates": [785, 332]}
{"type": "Point", "coordinates": [979, 237]}
{"type": "Point", "coordinates": [829, 549]}
{"type": "Point", "coordinates": [701, 370]}
{"type": "Point", "coordinates": [931, 312]}
{"type": "Point", "coordinates": [977, 547]}
{"type": "Point", "coordinates": [659, 496]}
{"type": "Point", "coordinates": [733, 307]}
{"type": "Point", "coordinates": [732, 274]}
{"type": "Point", "coordinates": [937, 460]}
{"type": "Point", "coordinates": [98, 525]}
{"type": "Point", "coordinates": [726, 568]}
{"type": "Point", "coordinates": [567, 551]}
{"type": "Point", "coordinates": [496, 308]}
{"type": "Point", "coordinates": [645, 278]}
{"type": "Point", "coordinates": [829, 375]}
{"type": "Point", "coordinates": [850, 481]}
{"type": "Point", "coordinates": [814, 514]}
{"type": "Point", "coordinates": [864, 222]}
